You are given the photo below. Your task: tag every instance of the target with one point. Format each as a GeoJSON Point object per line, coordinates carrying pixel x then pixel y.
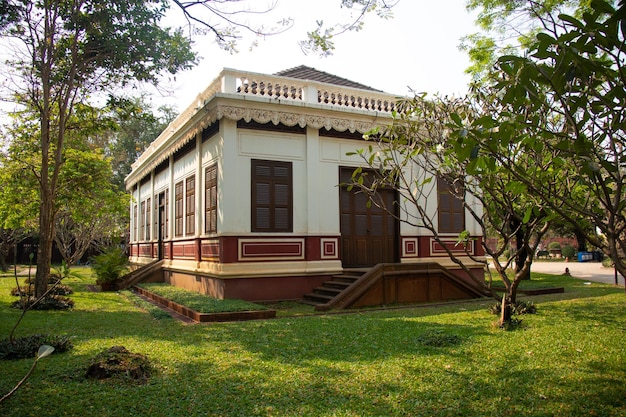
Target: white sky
{"type": "Point", "coordinates": [417, 48]}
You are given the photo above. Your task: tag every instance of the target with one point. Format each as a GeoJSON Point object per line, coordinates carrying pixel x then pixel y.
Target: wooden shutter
{"type": "Point", "coordinates": [135, 235]}
{"type": "Point", "coordinates": [210, 200]}
{"type": "Point", "coordinates": [451, 211]}
{"type": "Point", "coordinates": [178, 209]}
{"type": "Point", "coordinates": [190, 205]}
{"type": "Point", "coordinates": [272, 196]}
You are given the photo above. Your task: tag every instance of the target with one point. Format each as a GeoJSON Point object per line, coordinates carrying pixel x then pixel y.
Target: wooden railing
{"type": "Point", "coordinates": [141, 273]}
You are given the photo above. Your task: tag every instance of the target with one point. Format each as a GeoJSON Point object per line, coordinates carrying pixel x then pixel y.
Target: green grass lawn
{"type": "Point", "coordinates": [567, 360]}
{"type": "Point", "coordinates": [199, 302]}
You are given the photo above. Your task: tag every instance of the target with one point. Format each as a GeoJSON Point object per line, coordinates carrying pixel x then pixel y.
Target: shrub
{"type": "Point", "coordinates": [520, 307]}
{"type": "Point", "coordinates": [514, 324]}
{"type": "Point", "coordinates": [554, 246]}
{"type": "Point", "coordinates": [27, 347]}
{"type": "Point", "coordinates": [568, 251]}
{"type": "Point", "coordinates": [21, 291]}
{"type": "Point", "coordinates": [28, 290]}
{"type": "Point", "coordinates": [50, 302]}
{"type": "Point", "coordinates": [523, 307]}
{"type": "Point", "coordinates": [608, 262]}
{"type": "Point", "coordinates": [109, 266]}
{"type": "Point", "coordinates": [52, 279]}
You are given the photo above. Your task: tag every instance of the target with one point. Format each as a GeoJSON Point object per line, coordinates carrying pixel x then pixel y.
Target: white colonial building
{"type": "Point", "coordinates": [240, 195]}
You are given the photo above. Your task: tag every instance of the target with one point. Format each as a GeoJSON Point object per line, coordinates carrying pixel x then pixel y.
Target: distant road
{"type": "Point", "coordinates": [592, 271]}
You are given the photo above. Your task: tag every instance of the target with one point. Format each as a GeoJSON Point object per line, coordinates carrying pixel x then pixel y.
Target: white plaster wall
{"type": "Point", "coordinates": [472, 225]}
{"type": "Point", "coordinates": [232, 201]}
{"type": "Point", "coordinates": [161, 181]}
{"type": "Point", "coordinates": [240, 147]}
{"type": "Point", "coordinates": [211, 150]}
{"type": "Point", "coordinates": [145, 191]}
{"type": "Point", "coordinates": [185, 166]}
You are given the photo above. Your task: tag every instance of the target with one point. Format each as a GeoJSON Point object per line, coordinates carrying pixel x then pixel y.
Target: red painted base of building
{"type": "Point", "coordinates": [249, 289]}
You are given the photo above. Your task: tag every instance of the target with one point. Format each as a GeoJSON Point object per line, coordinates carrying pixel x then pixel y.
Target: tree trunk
{"type": "Point", "coordinates": [581, 240]}
{"type": "Point", "coordinates": [505, 315]}
{"type": "Point", "coordinates": [44, 251]}
{"type": "Point", "coordinates": [521, 250]}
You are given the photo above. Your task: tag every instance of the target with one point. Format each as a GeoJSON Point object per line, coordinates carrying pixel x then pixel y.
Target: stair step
{"type": "Point", "coordinates": [338, 284]}
{"type": "Point", "coordinates": [330, 289]}
{"type": "Point", "coordinates": [345, 278]}
{"type": "Point", "coordinates": [311, 302]}
{"type": "Point", "coordinates": [321, 298]}
{"type": "Point", "coordinates": [327, 290]}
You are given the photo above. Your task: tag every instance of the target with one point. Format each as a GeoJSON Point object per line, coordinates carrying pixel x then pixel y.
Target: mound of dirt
{"type": "Point", "coordinates": [118, 362]}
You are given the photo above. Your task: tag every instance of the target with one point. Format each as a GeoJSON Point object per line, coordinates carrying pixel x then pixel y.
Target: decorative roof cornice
{"type": "Point", "coordinates": [344, 109]}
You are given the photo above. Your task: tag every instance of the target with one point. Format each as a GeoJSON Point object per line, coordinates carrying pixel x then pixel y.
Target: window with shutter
{"type": "Point", "coordinates": [272, 196]}
{"type": "Point", "coordinates": [190, 205]}
{"type": "Point", "coordinates": [451, 212]}
{"type": "Point", "coordinates": [135, 236]}
{"type": "Point", "coordinates": [178, 209]}
{"type": "Point", "coordinates": [167, 214]}
{"type": "Point", "coordinates": [148, 211]}
{"type": "Point", "coordinates": [142, 221]}
{"type": "Point", "coordinates": [210, 199]}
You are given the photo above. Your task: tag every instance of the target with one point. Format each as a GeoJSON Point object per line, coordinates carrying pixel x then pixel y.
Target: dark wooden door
{"type": "Point", "coordinates": [368, 235]}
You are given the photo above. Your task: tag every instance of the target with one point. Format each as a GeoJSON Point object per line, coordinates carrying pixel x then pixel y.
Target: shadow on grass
{"type": "Point", "coordinates": [366, 363]}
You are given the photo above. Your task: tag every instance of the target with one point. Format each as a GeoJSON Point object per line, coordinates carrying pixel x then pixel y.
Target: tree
{"type": "Point", "coordinates": [420, 150]}
{"type": "Point", "coordinates": [320, 40]}
{"type": "Point", "coordinates": [88, 206]}
{"type": "Point", "coordinates": [510, 26]}
{"type": "Point", "coordinates": [96, 211]}
{"type": "Point", "coordinates": [8, 239]}
{"type": "Point", "coordinates": [566, 97]}
{"type": "Point", "coordinates": [136, 126]}
{"type": "Point", "coordinates": [226, 19]}
{"type": "Point", "coordinates": [18, 199]}
{"type": "Point", "coordinates": [67, 50]}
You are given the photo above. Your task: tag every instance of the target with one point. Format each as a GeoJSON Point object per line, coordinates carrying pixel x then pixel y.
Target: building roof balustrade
{"type": "Point", "coordinates": [232, 83]}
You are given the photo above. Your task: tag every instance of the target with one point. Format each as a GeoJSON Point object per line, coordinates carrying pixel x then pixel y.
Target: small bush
{"type": "Point", "coordinates": [52, 279]}
{"type": "Point", "coordinates": [523, 307]}
{"type": "Point", "coordinates": [109, 266]}
{"type": "Point", "coordinates": [51, 302]}
{"type": "Point", "coordinates": [27, 347]}
{"type": "Point", "coordinates": [438, 338]}
{"type": "Point", "coordinates": [554, 246]}
{"type": "Point", "coordinates": [608, 262]}
{"type": "Point", "coordinates": [22, 291]}
{"type": "Point", "coordinates": [28, 290]}
{"type": "Point", "coordinates": [511, 325]}
{"type": "Point", "coordinates": [519, 308]}
{"type": "Point", "coordinates": [568, 251]}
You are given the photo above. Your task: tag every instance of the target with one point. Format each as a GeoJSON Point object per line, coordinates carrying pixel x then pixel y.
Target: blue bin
{"type": "Point", "coordinates": [585, 256]}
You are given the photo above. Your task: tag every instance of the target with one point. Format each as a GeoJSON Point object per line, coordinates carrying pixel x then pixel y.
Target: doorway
{"type": "Point", "coordinates": [369, 235]}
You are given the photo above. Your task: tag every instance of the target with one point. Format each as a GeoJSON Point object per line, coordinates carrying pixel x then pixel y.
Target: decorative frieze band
{"type": "Point", "coordinates": [258, 115]}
